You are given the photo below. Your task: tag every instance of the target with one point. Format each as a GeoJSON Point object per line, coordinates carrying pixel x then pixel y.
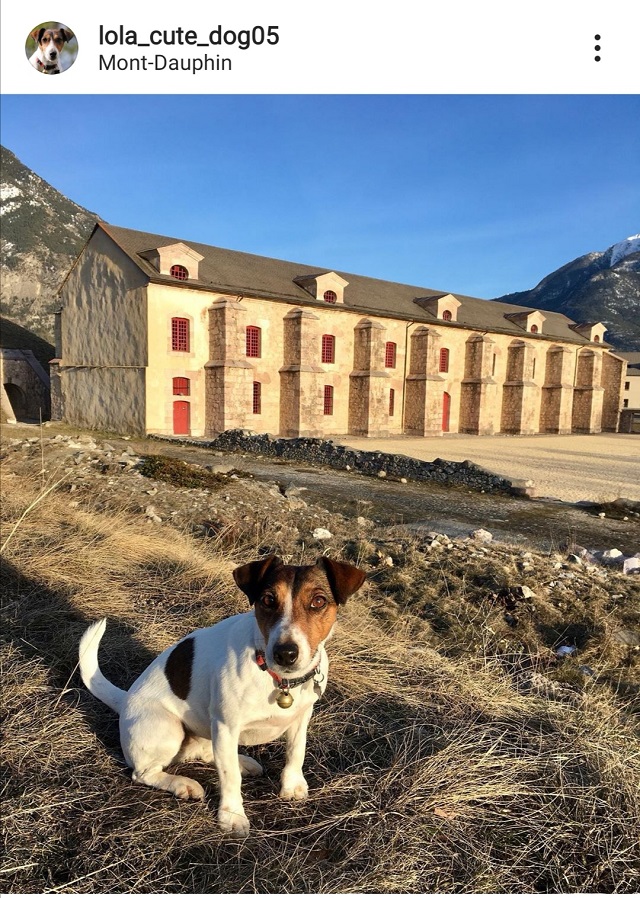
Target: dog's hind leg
{"type": "Point", "coordinates": [195, 749]}
{"type": "Point", "coordinates": [249, 767]}
{"type": "Point", "coordinates": [152, 743]}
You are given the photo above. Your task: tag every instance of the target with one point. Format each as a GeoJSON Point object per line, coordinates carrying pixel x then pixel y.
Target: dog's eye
{"type": "Point", "coordinates": [318, 602]}
{"type": "Point", "coordinates": [268, 600]}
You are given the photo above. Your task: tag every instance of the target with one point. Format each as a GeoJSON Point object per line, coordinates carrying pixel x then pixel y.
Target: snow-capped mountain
{"type": "Point", "coordinates": [599, 286]}
{"type": "Point", "coordinates": [623, 249]}
{"type": "Point", "coordinates": [42, 233]}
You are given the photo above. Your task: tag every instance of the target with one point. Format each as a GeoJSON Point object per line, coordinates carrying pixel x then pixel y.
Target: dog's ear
{"type": "Point", "coordinates": [67, 35]}
{"type": "Point", "coordinates": [344, 579]}
{"type": "Point", "coordinates": [249, 576]}
{"type": "Point", "coordinates": [37, 34]}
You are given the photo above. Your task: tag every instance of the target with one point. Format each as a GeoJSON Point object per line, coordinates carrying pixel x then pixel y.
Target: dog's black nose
{"type": "Point", "coordinates": [286, 654]}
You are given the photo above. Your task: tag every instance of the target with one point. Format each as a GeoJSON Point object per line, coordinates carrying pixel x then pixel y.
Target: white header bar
{"type": "Point", "coordinates": [337, 47]}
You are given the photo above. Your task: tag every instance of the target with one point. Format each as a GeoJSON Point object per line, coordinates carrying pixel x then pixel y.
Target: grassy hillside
{"type": "Point", "coordinates": [452, 752]}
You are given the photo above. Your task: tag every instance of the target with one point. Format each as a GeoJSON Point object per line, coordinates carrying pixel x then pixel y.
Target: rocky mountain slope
{"type": "Point", "coordinates": [42, 232]}
{"type": "Point", "coordinates": [600, 286]}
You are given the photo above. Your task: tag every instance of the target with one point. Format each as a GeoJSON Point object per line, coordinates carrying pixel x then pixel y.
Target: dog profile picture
{"type": "Point", "coordinates": [51, 48]}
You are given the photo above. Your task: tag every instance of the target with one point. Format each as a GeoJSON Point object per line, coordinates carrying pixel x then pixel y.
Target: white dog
{"type": "Point", "coordinates": [245, 681]}
{"type": "Point", "coordinates": [50, 42]}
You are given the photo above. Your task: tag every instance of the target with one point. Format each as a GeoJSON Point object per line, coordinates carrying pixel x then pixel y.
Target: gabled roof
{"type": "Point", "coordinates": [238, 273]}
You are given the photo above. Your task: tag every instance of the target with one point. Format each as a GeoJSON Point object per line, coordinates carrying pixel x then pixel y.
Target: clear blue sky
{"type": "Point", "coordinates": [477, 195]}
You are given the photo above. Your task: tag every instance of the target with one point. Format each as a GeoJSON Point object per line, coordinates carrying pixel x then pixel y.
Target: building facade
{"type": "Point", "coordinates": [159, 336]}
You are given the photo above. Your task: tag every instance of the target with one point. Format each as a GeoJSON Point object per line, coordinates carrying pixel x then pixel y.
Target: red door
{"type": "Point", "coordinates": [446, 408]}
{"type": "Point", "coordinates": [181, 417]}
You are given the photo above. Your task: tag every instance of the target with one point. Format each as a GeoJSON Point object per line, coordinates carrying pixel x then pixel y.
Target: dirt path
{"type": "Point", "coordinates": [576, 467]}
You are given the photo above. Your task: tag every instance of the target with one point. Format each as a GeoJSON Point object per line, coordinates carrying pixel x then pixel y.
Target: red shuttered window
{"type": "Point", "coordinates": [181, 386]}
{"type": "Point", "coordinates": [444, 360]}
{"type": "Point", "coordinates": [180, 334]}
{"type": "Point", "coordinates": [257, 398]}
{"type": "Point", "coordinates": [330, 296]}
{"type": "Point", "coordinates": [328, 400]}
{"type": "Point", "coordinates": [392, 402]}
{"type": "Point", "coordinates": [390, 355]}
{"type": "Point", "coordinates": [254, 342]}
{"type": "Point", "coordinates": [179, 272]}
{"type": "Point", "coordinates": [328, 349]}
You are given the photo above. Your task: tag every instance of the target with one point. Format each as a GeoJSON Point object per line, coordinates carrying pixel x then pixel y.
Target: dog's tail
{"type": "Point", "coordinates": [92, 676]}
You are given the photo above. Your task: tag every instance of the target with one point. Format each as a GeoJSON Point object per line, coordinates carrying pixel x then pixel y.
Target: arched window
{"type": "Point", "coordinates": [179, 272]}
{"type": "Point", "coordinates": [330, 296]}
{"type": "Point", "coordinates": [328, 349]}
{"type": "Point", "coordinates": [328, 400]}
{"type": "Point", "coordinates": [390, 355]}
{"type": "Point", "coordinates": [180, 334]}
{"type": "Point", "coordinates": [446, 315]}
{"type": "Point", "coordinates": [444, 360]}
{"type": "Point", "coordinates": [181, 386]}
{"type": "Point", "coordinates": [534, 328]}
{"type": "Point", "coordinates": [596, 339]}
{"type": "Point", "coordinates": [254, 341]}
{"type": "Point", "coordinates": [392, 402]}
{"type": "Point", "coordinates": [257, 397]}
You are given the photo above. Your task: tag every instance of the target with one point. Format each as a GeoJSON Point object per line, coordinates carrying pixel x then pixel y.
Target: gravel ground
{"type": "Point", "coordinates": [576, 467]}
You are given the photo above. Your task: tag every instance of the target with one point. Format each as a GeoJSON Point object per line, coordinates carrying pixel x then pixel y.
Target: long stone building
{"type": "Point", "coordinates": [160, 336]}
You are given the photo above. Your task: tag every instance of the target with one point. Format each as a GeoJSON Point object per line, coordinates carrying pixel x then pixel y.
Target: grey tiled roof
{"type": "Point", "coordinates": [236, 273]}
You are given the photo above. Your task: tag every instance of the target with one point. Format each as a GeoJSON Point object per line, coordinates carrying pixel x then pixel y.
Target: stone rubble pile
{"type": "Point", "coordinates": [374, 464]}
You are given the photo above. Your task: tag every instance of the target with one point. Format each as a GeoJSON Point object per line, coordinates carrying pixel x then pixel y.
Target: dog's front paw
{"type": "Point", "coordinates": [294, 787]}
{"type": "Point", "coordinates": [233, 821]}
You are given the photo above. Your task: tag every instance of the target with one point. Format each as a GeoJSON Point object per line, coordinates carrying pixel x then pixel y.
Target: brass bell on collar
{"type": "Point", "coordinates": [284, 699]}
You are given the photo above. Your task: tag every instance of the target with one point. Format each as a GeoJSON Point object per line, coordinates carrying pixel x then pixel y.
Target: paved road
{"type": "Point", "coordinates": [596, 467]}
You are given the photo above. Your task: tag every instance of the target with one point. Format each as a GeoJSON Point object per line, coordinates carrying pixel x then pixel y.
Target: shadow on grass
{"type": "Point", "coordinates": [44, 627]}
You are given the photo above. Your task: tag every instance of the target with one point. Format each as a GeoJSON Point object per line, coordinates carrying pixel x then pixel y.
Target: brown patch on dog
{"type": "Point", "coordinates": [179, 666]}
{"type": "Point", "coordinates": [314, 606]}
{"type": "Point", "coordinates": [44, 36]}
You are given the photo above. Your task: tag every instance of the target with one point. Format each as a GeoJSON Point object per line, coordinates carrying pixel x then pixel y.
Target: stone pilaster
{"type": "Point", "coordinates": [300, 387]}
{"type": "Point", "coordinates": [557, 391]}
{"type": "Point", "coordinates": [478, 390]}
{"type": "Point", "coordinates": [588, 394]}
{"type": "Point", "coordinates": [228, 373]}
{"type": "Point", "coordinates": [520, 395]}
{"type": "Point", "coordinates": [424, 386]}
{"type": "Point", "coordinates": [368, 382]}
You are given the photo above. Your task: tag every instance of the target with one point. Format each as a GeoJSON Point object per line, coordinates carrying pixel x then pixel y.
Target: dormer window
{"type": "Point", "coordinates": [177, 260]}
{"type": "Point", "coordinates": [179, 272]}
{"type": "Point", "coordinates": [326, 287]}
{"type": "Point", "coordinates": [442, 305]}
{"type": "Point", "coordinates": [529, 320]}
{"type": "Point", "coordinates": [594, 332]}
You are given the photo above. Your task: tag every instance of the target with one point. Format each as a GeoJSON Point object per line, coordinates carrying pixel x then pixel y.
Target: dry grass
{"type": "Point", "coordinates": [435, 765]}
